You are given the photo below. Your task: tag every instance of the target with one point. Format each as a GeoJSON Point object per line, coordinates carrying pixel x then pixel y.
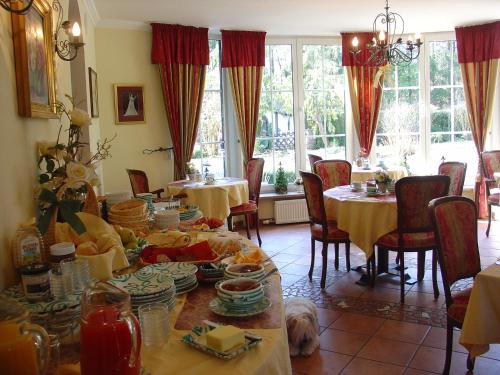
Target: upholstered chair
{"type": "Point", "coordinates": [491, 164]}
{"type": "Point", "coordinates": [456, 172]}
{"type": "Point", "coordinates": [333, 172]}
{"type": "Point", "coordinates": [255, 169]}
{"type": "Point", "coordinates": [455, 227]}
{"type": "Point", "coordinates": [415, 230]}
{"type": "Point", "coordinates": [313, 159]}
{"type": "Point", "coordinates": [139, 183]}
{"type": "Point", "coordinates": [322, 230]}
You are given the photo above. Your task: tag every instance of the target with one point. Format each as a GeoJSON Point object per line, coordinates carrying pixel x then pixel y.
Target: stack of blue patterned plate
{"type": "Point", "coordinates": [183, 274]}
{"type": "Point", "coordinates": [189, 212]}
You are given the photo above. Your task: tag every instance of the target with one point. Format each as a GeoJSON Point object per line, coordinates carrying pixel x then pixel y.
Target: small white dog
{"type": "Point", "coordinates": [302, 326]}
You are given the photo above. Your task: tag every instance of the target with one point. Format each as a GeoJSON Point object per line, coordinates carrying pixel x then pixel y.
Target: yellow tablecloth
{"type": "Point", "coordinates": [213, 200]}
{"type": "Point", "coordinates": [482, 320]}
{"type": "Point", "coordinates": [361, 175]}
{"type": "Point", "coordinates": [270, 357]}
{"type": "Point", "coordinates": [366, 219]}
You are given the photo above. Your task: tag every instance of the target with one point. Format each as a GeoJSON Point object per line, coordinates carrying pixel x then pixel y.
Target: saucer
{"type": "Point", "coordinates": [219, 308]}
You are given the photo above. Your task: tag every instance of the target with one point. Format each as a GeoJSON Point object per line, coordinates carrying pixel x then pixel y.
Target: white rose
{"type": "Point", "coordinates": [79, 118]}
{"type": "Point", "coordinates": [49, 148]}
{"type": "Point", "coordinates": [78, 171]}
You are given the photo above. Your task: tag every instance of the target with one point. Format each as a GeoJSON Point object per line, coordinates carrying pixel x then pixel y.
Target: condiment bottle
{"type": "Point", "coordinates": [27, 246]}
{"type": "Point", "coordinates": [36, 282]}
{"type": "Point", "coordinates": [61, 251]}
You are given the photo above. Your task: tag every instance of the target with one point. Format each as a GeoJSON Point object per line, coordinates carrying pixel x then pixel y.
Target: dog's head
{"type": "Point", "coordinates": [301, 328]}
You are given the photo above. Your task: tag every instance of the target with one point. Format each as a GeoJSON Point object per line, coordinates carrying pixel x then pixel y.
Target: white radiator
{"type": "Point", "coordinates": [290, 211]}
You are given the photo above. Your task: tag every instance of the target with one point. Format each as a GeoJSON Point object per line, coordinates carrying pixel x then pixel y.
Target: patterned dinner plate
{"type": "Point", "coordinates": [176, 270]}
{"type": "Point", "coordinates": [144, 283]}
{"type": "Point", "coordinates": [187, 289]}
{"type": "Point", "coordinates": [219, 308]}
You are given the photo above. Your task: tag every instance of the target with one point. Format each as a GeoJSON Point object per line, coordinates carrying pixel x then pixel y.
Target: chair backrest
{"type": "Point", "coordinates": [255, 168]}
{"type": "Point", "coordinates": [138, 181]}
{"type": "Point", "coordinates": [490, 160]}
{"type": "Point", "coordinates": [313, 159]}
{"type": "Point", "coordinates": [313, 190]}
{"type": "Point", "coordinates": [333, 172]}
{"type": "Point", "coordinates": [456, 172]}
{"type": "Point", "coordinates": [413, 195]}
{"type": "Point", "coordinates": [455, 227]}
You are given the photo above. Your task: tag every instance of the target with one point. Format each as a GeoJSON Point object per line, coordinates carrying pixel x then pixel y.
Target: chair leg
{"type": "Point", "coordinates": [247, 225]}
{"type": "Point", "coordinates": [230, 223]}
{"type": "Point", "coordinates": [470, 362]}
{"type": "Point", "coordinates": [324, 254]}
{"type": "Point", "coordinates": [420, 265]}
{"type": "Point", "coordinates": [256, 216]}
{"type": "Point", "coordinates": [435, 286]}
{"type": "Point", "coordinates": [402, 275]}
{"type": "Point", "coordinates": [449, 347]}
{"type": "Point", "coordinates": [337, 246]}
{"type": "Point", "coordinates": [348, 256]}
{"type": "Point", "coordinates": [489, 221]}
{"type": "Point", "coordinates": [313, 254]}
{"type": "Point", "coordinates": [374, 269]}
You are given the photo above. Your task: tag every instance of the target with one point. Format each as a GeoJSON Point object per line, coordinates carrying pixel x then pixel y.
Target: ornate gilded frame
{"type": "Point", "coordinates": [31, 64]}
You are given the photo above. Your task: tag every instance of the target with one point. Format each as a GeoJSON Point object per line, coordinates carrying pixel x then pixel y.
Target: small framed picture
{"type": "Point", "coordinates": [94, 93]}
{"type": "Point", "coordinates": [129, 104]}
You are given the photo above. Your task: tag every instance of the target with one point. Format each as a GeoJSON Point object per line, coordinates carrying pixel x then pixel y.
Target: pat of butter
{"type": "Point", "coordinates": [224, 338]}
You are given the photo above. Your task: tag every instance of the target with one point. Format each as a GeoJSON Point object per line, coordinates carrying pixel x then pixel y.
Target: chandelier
{"type": "Point", "coordinates": [387, 45]}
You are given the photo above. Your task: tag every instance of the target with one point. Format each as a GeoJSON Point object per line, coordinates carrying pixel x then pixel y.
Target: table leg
{"type": "Point", "coordinates": [383, 260]}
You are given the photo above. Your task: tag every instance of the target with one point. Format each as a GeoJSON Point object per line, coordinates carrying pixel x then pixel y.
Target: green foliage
{"type": "Point", "coordinates": [281, 183]}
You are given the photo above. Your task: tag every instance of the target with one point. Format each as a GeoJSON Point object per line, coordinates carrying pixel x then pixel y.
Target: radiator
{"type": "Point", "coordinates": [290, 211]}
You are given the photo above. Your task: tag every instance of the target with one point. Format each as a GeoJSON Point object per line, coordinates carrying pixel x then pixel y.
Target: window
{"type": "Point", "coordinates": [324, 90]}
{"type": "Point", "coordinates": [276, 127]}
{"type": "Point", "coordinates": [450, 135]}
{"type": "Point", "coordinates": [209, 150]}
{"type": "Point", "coordinates": [398, 130]}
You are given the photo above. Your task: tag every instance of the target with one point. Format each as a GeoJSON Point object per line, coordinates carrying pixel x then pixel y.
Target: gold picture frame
{"type": "Point", "coordinates": [32, 35]}
{"type": "Point", "coordinates": [129, 104]}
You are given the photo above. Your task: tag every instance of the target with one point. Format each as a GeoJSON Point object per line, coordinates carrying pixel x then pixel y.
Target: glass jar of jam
{"type": "Point", "coordinates": [36, 282]}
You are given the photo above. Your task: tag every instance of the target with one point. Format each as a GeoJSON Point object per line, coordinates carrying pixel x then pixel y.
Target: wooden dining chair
{"type": "Point", "coordinates": [415, 230]}
{"type": "Point", "coordinates": [456, 172]}
{"type": "Point", "coordinates": [455, 228]}
{"type": "Point", "coordinates": [333, 172]}
{"type": "Point", "coordinates": [313, 159]}
{"type": "Point", "coordinates": [322, 230]}
{"type": "Point", "coordinates": [255, 169]}
{"type": "Point", "coordinates": [490, 161]}
{"type": "Point", "coordinates": [140, 184]}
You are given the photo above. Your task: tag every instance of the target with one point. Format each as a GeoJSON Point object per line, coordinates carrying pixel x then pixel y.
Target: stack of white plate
{"type": "Point", "coordinates": [147, 286]}
{"type": "Point", "coordinates": [167, 218]}
{"type": "Point", "coordinates": [114, 198]}
{"type": "Point", "coordinates": [184, 274]}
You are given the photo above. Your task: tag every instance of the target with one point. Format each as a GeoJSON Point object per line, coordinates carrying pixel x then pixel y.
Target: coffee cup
{"type": "Point", "coordinates": [356, 185]}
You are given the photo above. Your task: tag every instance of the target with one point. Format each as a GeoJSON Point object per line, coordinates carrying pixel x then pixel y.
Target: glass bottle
{"type": "Point", "coordinates": [27, 246]}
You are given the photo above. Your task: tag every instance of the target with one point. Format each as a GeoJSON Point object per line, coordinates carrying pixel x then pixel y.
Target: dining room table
{"type": "Point", "coordinates": [214, 200]}
{"type": "Point", "coordinates": [364, 174]}
{"type": "Point", "coordinates": [481, 326]}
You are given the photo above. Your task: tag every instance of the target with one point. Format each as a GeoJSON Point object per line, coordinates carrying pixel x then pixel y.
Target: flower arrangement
{"type": "Point", "coordinates": [382, 177]}
{"type": "Point", "coordinates": [62, 164]}
{"type": "Point", "coordinates": [191, 169]}
{"type": "Point", "coordinates": [298, 181]}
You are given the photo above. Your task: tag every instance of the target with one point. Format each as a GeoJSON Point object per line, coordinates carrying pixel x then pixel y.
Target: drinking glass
{"type": "Point", "coordinates": [155, 328]}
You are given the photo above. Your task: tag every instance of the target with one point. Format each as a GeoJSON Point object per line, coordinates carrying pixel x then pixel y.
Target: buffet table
{"type": "Point", "coordinates": [362, 175]}
{"type": "Point", "coordinates": [213, 200]}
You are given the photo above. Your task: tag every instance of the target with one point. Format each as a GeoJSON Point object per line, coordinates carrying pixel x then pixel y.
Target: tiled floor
{"type": "Point", "coordinates": [365, 331]}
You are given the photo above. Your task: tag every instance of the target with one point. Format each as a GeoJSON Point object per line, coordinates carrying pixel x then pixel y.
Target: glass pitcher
{"type": "Point", "coordinates": [110, 338]}
{"type": "Point", "coordinates": [24, 347]}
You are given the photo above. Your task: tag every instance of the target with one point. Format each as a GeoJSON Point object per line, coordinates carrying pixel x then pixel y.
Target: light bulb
{"type": "Point", "coordinates": [355, 42]}
{"type": "Point", "coordinates": [417, 37]}
{"type": "Point", "coordinates": [76, 30]}
{"type": "Point", "coordinates": [381, 35]}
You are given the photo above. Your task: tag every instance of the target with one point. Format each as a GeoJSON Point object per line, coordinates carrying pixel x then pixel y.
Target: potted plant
{"type": "Point", "coordinates": [191, 171]}
{"type": "Point", "coordinates": [383, 179]}
{"type": "Point", "coordinates": [281, 183]}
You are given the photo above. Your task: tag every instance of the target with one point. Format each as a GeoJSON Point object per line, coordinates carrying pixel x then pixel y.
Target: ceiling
{"type": "Point", "coordinates": [294, 17]}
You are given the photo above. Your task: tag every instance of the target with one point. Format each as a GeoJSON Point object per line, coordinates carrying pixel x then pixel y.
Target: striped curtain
{"type": "Point", "coordinates": [366, 84]}
{"type": "Point", "coordinates": [243, 57]}
{"type": "Point", "coordinates": [182, 56]}
{"type": "Point", "coordinates": [478, 49]}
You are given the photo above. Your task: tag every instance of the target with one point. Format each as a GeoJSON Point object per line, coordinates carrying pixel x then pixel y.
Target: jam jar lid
{"type": "Point", "coordinates": [34, 269]}
{"type": "Point", "coordinates": [62, 248]}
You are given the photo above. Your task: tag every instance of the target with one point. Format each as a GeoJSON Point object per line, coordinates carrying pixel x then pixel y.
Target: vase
{"type": "Point", "coordinates": [281, 189]}
{"type": "Point", "coordinates": [191, 176]}
{"type": "Point", "coordinates": [382, 187]}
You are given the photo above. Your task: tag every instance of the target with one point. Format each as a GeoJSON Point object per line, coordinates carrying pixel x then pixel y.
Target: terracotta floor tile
{"type": "Point", "coordinates": [403, 331]}
{"type": "Point", "coordinates": [358, 323]}
{"type": "Point", "coordinates": [412, 371]}
{"type": "Point", "coordinates": [346, 288]}
{"type": "Point", "coordinates": [425, 286]}
{"type": "Point", "coordinates": [284, 257]}
{"type": "Point", "coordinates": [360, 366]}
{"type": "Point", "coordinates": [436, 338]}
{"type": "Point", "coordinates": [494, 352]}
{"type": "Point", "coordinates": [388, 351]}
{"type": "Point", "coordinates": [287, 280]}
{"type": "Point", "coordinates": [483, 366]}
{"type": "Point", "coordinates": [381, 294]}
{"type": "Point", "coordinates": [429, 359]}
{"type": "Point", "coordinates": [424, 299]}
{"type": "Point", "coordinates": [342, 342]}
{"type": "Point", "coordinates": [326, 317]}
{"type": "Point", "coordinates": [296, 269]}
{"type": "Point", "coordinates": [321, 362]}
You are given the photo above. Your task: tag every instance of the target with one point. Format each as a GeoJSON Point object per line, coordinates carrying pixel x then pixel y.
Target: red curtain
{"type": "Point", "coordinates": [478, 49]}
{"type": "Point", "coordinates": [243, 57]}
{"type": "Point", "coordinates": [182, 54]}
{"type": "Point", "coordinates": [366, 83]}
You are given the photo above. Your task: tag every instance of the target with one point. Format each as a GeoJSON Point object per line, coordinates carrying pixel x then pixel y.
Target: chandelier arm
{"type": "Point", "coordinates": [3, 4]}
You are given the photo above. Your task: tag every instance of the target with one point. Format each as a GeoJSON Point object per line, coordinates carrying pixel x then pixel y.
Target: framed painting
{"type": "Point", "coordinates": [129, 104]}
{"type": "Point", "coordinates": [94, 93]}
{"type": "Point", "coordinates": [34, 59]}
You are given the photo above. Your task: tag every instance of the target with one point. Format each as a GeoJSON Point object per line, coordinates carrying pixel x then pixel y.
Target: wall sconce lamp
{"type": "Point", "coordinates": [16, 6]}
{"type": "Point", "coordinates": [66, 49]}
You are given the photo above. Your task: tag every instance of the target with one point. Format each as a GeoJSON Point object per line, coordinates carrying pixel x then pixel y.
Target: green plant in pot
{"type": "Point", "coordinates": [281, 182]}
